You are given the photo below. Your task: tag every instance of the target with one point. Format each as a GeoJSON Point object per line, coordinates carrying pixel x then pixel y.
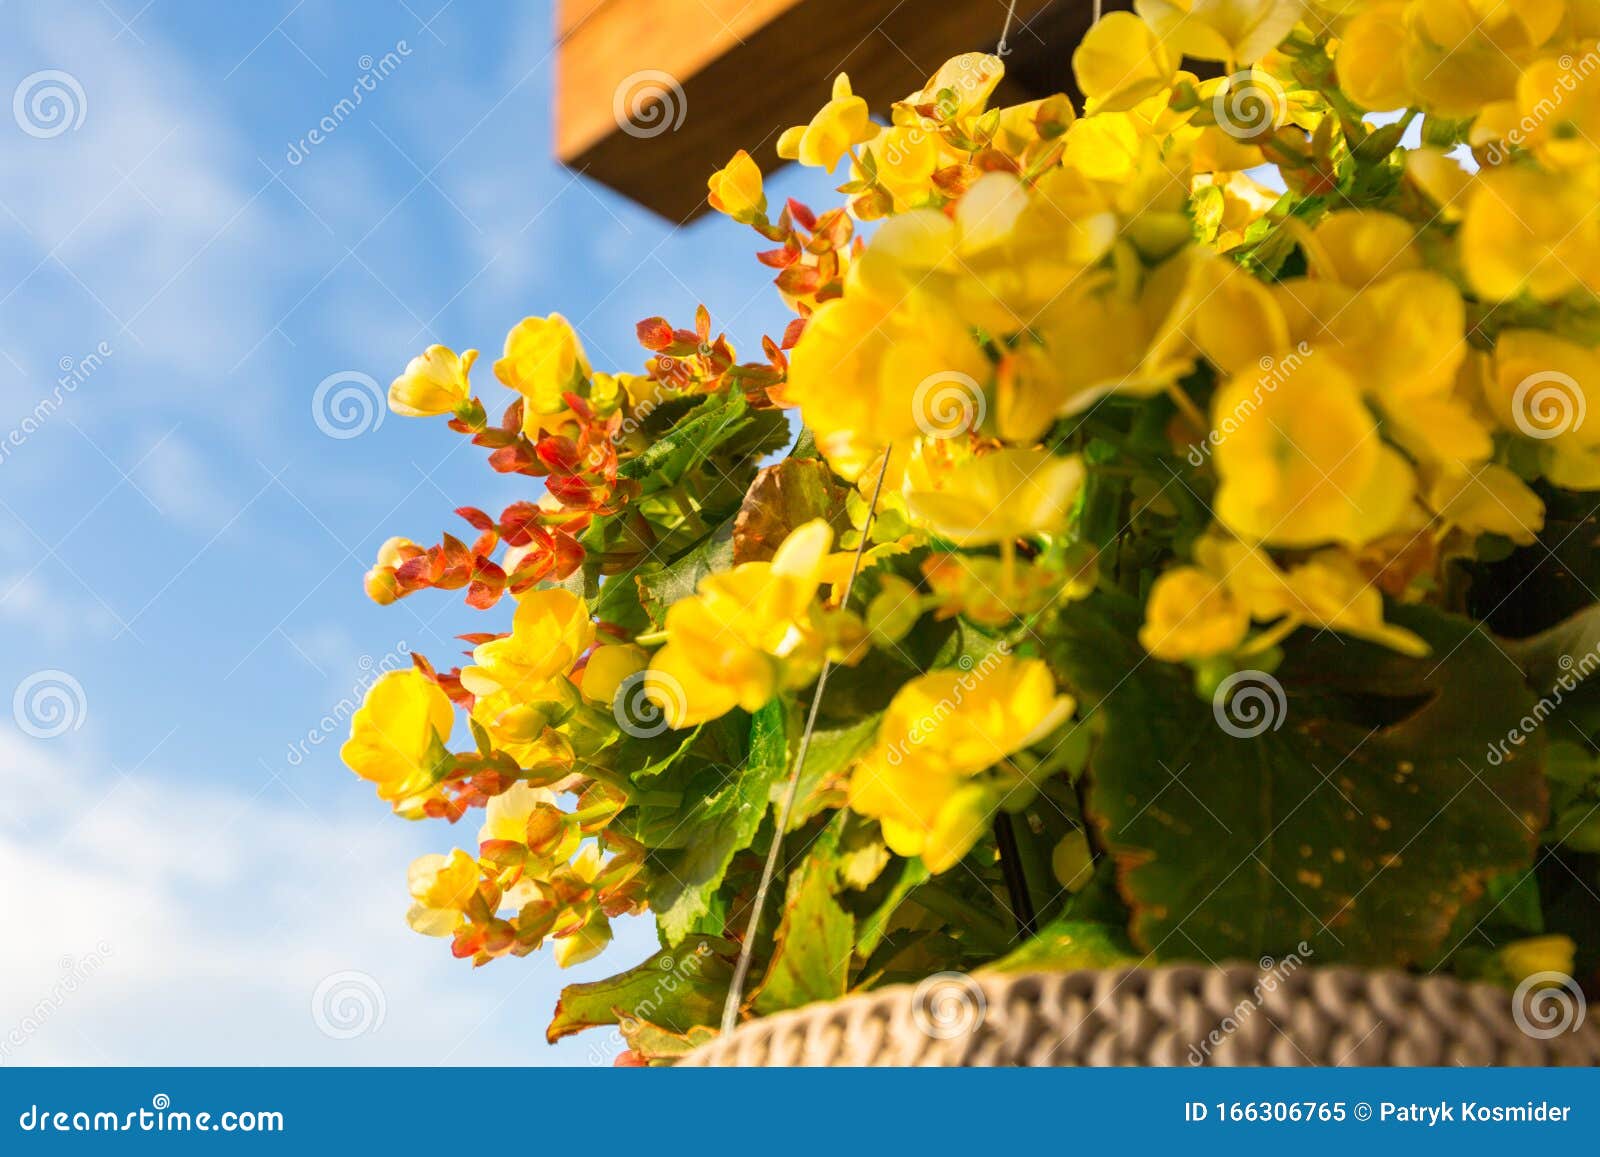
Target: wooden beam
{"type": "Point", "coordinates": [652, 96]}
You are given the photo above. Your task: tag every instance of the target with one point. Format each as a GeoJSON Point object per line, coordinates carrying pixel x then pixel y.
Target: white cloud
{"type": "Point", "coordinates": [201, 920]}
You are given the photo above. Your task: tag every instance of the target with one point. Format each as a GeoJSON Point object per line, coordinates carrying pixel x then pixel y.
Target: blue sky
{"type": "Point", "coordinates": [181, 543]}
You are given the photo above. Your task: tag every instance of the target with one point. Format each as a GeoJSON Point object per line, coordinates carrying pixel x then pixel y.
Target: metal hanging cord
{"type": "Point", "coordinates": [741, 971]}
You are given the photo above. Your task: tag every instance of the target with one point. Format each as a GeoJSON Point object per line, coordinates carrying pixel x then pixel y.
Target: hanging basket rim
{"type": "Point", "coordinates": [1251, 1013]}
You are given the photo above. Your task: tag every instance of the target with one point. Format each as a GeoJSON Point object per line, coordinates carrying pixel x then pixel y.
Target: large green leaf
{"type": "Point", "coordinates": [716, 825]}
{"type": "Point", "coordinates": [811, 960]}
{"type": "Point", "coordinates": [675, 990]}
{"type": "Point", "coordinates": [1360, 823]}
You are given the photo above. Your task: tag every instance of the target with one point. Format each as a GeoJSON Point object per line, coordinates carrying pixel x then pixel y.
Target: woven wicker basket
{"type": "Point", "coordinates": [1176, 1015]}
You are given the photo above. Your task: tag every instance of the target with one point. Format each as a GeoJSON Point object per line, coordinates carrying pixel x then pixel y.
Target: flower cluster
{"type": "Point", "coordinates": [1290, 329]}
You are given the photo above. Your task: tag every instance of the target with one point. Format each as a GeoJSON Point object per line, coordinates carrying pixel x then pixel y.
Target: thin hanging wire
{"type": "Point", "coordinates": [741, 971]}
{"type": "Point", "coordinates": [1003, 49]}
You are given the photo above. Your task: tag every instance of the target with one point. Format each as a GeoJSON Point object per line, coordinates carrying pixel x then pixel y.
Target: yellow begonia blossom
{"type": "Point", "coordinates": [838, 126]}
{"type": "Point", "coordinates": [858, 368]}
{"type": "Point", "coordinates": [1304, 464]}
{"type": "Point", "coordinates": [1072, 862]}
{"type": "Point", "coordinates": [586, 939]}
{"type": "Point", "coordinates": [524, 727]}
{"type": "Point", "coordinates": [396, 736]}
{"type": "Point", "coordinates": [1544, 388]}
{"type": "Point", "coordinates": [1120, 62]}
{"type": "Point", "coordinates": [1538, 954]}
{"type": "Point", "coordinates": [745, 634]}
{"type": "Point", "coordinates": [549, 630]}
{"type": "Point", "coordinates": [1558, 111]}
{"type": "Point", "coordinates": [543, 360]}
{"type": "Point", "coordinates": [1531, 231]}
{"type": "Point", "coordinates": [1441, 179]}
{"type": "Point", "coordinates": [990, 498]}
{"type": "Point", "coordinates": [962, 86]}
{"type": "Point", "coordinates": [506, 816]}
{"type": "Point", "coordinates": [586, 943]}
{"type": "Point", "coordinates": [608, 667]}
{"type": "Point", "coordinates": [1371, 60]}
{"type": "Point", "coordinates": [1237, 32]}
{"type": "Point", "coordinates": [435, 382]}
{"type": "Point", "coordinates": [1359, 246]}
{"type": "Point", "coordinates": [905, 158]}
{"type": "Point", "coordinates": [1192, 614]}
{"type": "Point", "coordinates": [1205, 610]}
{"type": "Point", "coordinates": [735, 189]}
{"type": "Point", "coordinates": [441, 887]}
{"type": "Point", "coordinates": [940, 731]}
{"type": "Point", "coordinates": [1488, 500]}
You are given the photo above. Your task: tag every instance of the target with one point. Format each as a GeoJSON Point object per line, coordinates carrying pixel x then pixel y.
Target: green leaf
{"type": "Point", "coordinates": [1066, 944]}
{"type": "Point", "coordinates": [910, 875]}
{"type": "Point", "coordinates": [1362, 824]}
{"type": "Point", "coordinates": [722, 424]}
{"type": "Point", "coordinates": [654, 1043]}
{"type": "Point", "coordinates": [717, 825]}
{"type": "Point", "coordinates": [811, 960]}
{"type": "Point", "coordinates": [832, 751]}
{"type": "Point", "coordinates": [661, 586]}
{"type": "Point", "coordinates": [1558, 664]}
{"type": "Point", "coordinates": [676, 989]}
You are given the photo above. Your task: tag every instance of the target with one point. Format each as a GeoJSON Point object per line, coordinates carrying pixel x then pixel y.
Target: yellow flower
{"type": "Point", "coordinates": [940, 731]}
{"type": "Point", "coordinates": [435, 382]}
{"type": "Point", "coordinates": [396, 735]}
{"type": "Point", "coordinates": [735, 189]}
{"type": "Point", "coordinates": [906, 157]}
{"type": "Point", "coordinates": [1527, 230]}
{"type": "Point", "coordinates": [734, 642]}
{"type": "Point", "coordinates": [838, 125]}
{"type": "Point", "coordinates": [380, 582]}
{"type": "Point", "coordinates": [1489, 500]}
{"type": "Point", "coordinates": [1558, 113]}
{"type": "Point", "coordinates": [523, 729]}
{"type": "Point", "coordinates": [608, 667]}
{"type": "Point", "coordinates": [1524, 958]}
{"type": "Point", "coordinates": [587, 942]}
{"type": "Point", "coordinates": [1329, 590]}
{"type": "Point", "coordinates": [961, 88]}
{"type": "Point", "coordinates": [1441, 179]}
{"type": "Point", "coordinates": [1120, 62]}
{"type": "Point", "coordinates": [990, 498]}
{"type": "Point", "coordinates": [506, 816]}
{"type": "Point", "coordinates": [1359, 246]}
{"type": "Point", "coordinates": [1371, 60]}
{"type": "Point", "coordinates": [543, 360]}
{"type": "Point", "coordinates": [863, 360]}
{"type": "Point", "coordinates": [1303, 463]}
{"type": "Point", "coordinates": [549, 630]}
{"type": "Point", "coordinates": [1237, 32]}
{"type": "Point", "coordinates": [1202, 611]}
{"type": "Point", "coordinates": [1072, 863]}
{"type": "Point", "coordinates": [1544, 389]}
{"type": "Point", "coordinates": [1192, 615]}
{"type": "Point", "coordinates": [441, 888]}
